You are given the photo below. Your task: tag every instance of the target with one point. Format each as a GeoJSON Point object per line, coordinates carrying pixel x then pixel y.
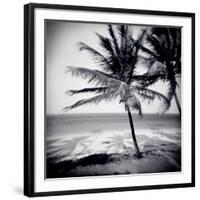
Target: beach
{"type": "Point", "coordinates": [101, 144]}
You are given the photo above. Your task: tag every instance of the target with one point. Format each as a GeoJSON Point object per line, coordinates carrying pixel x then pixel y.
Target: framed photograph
{"type": "Point", "coordinates": [108, 99]}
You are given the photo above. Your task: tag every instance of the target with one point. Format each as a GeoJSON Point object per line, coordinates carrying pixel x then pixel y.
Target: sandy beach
{"type": "Point", "coordinates": [101, 144]}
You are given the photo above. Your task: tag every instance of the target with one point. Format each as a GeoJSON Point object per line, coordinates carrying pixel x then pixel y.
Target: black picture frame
{"type": "Point", "coordinates": [29, 96]}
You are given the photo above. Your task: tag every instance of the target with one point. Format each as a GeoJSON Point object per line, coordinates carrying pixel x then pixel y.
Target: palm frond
{"type": "Point", "coordinates": [97, 55]}
{"type": "Point", "coordinates": [165, 42]}
{"type": "Point", "coordinates": [121, 32]}
{"type": "Point", "coordinates": [113, 64]}
{"type": "Point", "coordinates": [172, 88]}
{"type": "Point", "coordinates": [106, 44]}
{"type": "Point", "coordinates": [157, 71]}
{"type": "Point", "coordinates": [114, 39]}
{"type": "Point", "coordinates": [171, 39]}
{"type": "Point", "coordinates": [149, 79]}
{"type": "Point", "coordinates": [150, 95]}
{"type": "Point", "coordinates": [154, 41]}
{"type": "Point", "coordinates": [149, 51]}
{"type": "Point", "coordinates": [87, 90]}
{"type": "Point", "coordinates": [108, 96]}
{"type": "Point", "coordinates": [94, 76]}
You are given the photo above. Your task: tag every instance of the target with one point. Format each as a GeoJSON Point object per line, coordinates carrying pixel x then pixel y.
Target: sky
{"type": "Point", "coordinates": [61, 50]}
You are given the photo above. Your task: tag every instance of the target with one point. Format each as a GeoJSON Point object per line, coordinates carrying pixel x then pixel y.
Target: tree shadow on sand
{"type": "Point", "coordinates": [158, 156]}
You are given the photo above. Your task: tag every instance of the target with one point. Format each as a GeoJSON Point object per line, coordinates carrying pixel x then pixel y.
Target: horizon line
{"type": "Point", "coordinates": [171, 113]}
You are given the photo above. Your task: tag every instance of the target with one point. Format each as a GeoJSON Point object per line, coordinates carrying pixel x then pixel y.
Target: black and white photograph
{"type": "Point", "coordinates": [108, 99]}
{"type": "Point", "coordinates": [112, 99]}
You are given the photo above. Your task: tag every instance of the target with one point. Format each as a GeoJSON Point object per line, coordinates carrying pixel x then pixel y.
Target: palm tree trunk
{"type": "Point", "coordinates": [138, 153]}
{"type": "Point", "coordinates": [177, 103]}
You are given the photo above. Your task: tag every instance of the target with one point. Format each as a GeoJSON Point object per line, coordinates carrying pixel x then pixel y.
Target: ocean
{"type": "Point", "coordinates": [67, 124]}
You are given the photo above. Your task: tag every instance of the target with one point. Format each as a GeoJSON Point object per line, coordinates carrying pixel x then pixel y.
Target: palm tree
{"type": "Point", "coordinates": [115, 81]}
{"type": "Point", "coordinates": [164, 48]}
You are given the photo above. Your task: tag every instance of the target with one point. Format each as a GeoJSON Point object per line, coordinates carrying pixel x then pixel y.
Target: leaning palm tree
{"type": "Point", "coordinates": [115, 80]}
{"type": "Point", "coordinates": [164, 48]}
